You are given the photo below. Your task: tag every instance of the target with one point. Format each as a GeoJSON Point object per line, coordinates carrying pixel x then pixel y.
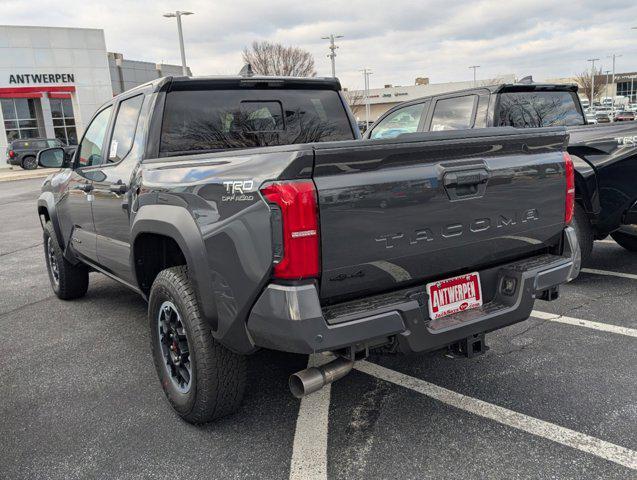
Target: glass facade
{"type": "Point", "coordinates": [20, 118]}
{"type": "Point", "coordinates": [63, 120]}
{"type": "Point", "coordinates": [628, 89]}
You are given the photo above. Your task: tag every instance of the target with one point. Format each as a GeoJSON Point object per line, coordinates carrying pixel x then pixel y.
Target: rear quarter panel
{"type": "Point", "coordinates": [220, 191]}
{"type": "Point", "coordinates": [611, 151]}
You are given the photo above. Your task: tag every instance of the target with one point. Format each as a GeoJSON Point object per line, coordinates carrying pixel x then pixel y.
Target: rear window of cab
{"type": "Point", "coordinates": [208, 120]}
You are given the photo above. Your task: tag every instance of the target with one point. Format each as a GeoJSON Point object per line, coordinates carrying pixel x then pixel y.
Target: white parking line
{"type": "Point", "coordinates": [565, 436]}
{"type": "Point", "coordinates": [309, 452]}
{"type": "Point", "coordinates": [609, 273]}
{"type": "Point", "coordinates": [604, 327]}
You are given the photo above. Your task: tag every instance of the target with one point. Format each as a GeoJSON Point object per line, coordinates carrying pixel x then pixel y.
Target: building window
{"type": "Point", "coordinates": [628, 89]}
{"type": "Point", "coordinates": [63, 120]}
{"type": "Point", "coordinates": [20, 119]}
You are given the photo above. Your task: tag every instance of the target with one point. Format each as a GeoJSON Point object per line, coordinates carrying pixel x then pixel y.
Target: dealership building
{"type": "Point", "coordinates": [53, 79]}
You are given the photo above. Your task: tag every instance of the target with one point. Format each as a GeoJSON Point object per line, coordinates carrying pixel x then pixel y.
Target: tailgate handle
{"type": "Point", "coordinates": [464, 185]}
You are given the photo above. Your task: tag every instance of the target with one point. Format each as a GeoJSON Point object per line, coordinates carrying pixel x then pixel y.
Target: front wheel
{"type": "Point", "coordinates": [68, 281]}
{"type": "Point", "coordinates": [202, 380]}
{"type": "Point", "coordinates": [626, 236]}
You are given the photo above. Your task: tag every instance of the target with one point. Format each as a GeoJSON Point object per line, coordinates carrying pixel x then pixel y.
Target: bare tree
{"type": "Point", "coordinates": [356, 101]}
{"type": "Point", "coordinates": [584, 81]}
{"type": "Point", "coordinates": [274, 59]}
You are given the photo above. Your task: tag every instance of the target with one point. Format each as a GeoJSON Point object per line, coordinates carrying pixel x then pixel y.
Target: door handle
{"type": "Point", "coordinates": [461, 185]}
{"type": "Point", "coordinates": [85, 187]}
{"type": "Point", "coordinates": [118, 188]}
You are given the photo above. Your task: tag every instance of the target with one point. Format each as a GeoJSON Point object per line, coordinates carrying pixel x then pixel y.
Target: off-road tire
{"type": "Point", "coordinates": [218, 375]}
{"type": "Point", "coordinates": [626, 239]}
{"type": "Point", "coordinates": [29, 163]}
{"type": "Point", "coordinates": [584, 233]}
{"type": "Point", "coordinates": [72, 280]}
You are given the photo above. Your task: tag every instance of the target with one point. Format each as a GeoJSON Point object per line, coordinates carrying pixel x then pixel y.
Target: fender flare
{"type": "Point", "coordinates": [47, 200]}
{"type": "Point", "coordinates": [177, 223]}
{"type": "Point", "coordinates": [586, 188]}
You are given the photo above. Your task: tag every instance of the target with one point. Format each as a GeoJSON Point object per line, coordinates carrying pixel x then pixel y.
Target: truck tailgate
{"type": "Point", "coordinates": [424, 206]}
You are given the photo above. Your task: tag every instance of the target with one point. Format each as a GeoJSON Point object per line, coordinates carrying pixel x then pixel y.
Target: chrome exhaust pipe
{"type": "Point", "coordinates": [314, 378]}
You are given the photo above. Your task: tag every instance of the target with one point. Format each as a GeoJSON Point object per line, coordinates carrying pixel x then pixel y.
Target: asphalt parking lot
{"type": "Point", "coordinates": [554, 397]}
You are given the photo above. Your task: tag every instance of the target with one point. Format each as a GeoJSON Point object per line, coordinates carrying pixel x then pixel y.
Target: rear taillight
{"type": "Point", "coordinates": [299, 223]}
{"type": "Point", "coordinates": [11, 154]}
{"type": "Point", "coordinates": [570, 188]}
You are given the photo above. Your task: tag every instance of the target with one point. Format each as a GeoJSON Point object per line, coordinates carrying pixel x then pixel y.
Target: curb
{"type": "Point", "coordinates": [8, 177]}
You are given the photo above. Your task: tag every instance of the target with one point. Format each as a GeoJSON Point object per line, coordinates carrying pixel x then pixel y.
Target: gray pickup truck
{"type": "Point", "coordinates": [249, 213]}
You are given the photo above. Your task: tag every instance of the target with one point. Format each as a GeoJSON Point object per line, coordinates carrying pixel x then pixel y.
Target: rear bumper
{"type": "Point", "coordinates": [290, 318]}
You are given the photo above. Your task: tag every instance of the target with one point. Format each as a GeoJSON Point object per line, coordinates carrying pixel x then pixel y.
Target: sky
{"type": "Point", "coordinates": [398, 40]}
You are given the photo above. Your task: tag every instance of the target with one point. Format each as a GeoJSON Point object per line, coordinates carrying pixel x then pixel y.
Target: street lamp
{"type": "Point", "coordinates": [332, 54]}
{"type": "Point", "coordinates": [178, 15]}
{"type": "Point", "coordinates": [366, 73]}
{"type": "Point", "coordinates": [474, 67]}
{"type": "Point", "coordinates": [613, 56]}
{"type": "Point", "coordinates": [593, 60]}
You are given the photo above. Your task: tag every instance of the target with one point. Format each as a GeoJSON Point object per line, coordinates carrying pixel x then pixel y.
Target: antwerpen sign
{"type": "Point", "coordinates": [32, 78]}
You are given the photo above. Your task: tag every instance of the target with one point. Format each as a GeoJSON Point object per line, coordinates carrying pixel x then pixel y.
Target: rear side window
{"type": "Point", "coordinates": [453, 113]}
{"type": "Point", "coordinates": [404, 120]}
{"type": "Point", "coordinates": [537, 109]}
{"type": "Point", "coordinates": [205, 120]}
{"type": "Point", "coordinates": [124, 129]}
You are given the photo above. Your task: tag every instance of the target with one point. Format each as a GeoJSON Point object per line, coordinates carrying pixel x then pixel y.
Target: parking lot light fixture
{"type": "Point", "coordinates": [178, 14]}
{"type": "Point", "coordinates": [332, 54]}
{"type": "Point", "coordinates": [593, 60]}
{"type": "Point", "coordinates": [474, 67]}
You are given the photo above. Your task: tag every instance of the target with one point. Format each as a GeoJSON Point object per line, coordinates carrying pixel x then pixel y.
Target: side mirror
{"type": "Point", "coordinates": [51, 157]}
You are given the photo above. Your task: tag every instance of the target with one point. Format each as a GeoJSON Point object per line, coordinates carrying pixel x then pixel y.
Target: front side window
{"type": "Point", "coordinates": [63, 120]}
{"type": "Point", "coordinates": [453, 113]}
{"type": "Point", "coordinates": [537, 109]}
{"type": "Point", "coordinates": [125, 127]}
{"type": "Point", "coordinates": [208, 120]}
{"type": "Point", "coordinates": [404, 120]}
{"type": "Point", "coordinates": [93, 142]}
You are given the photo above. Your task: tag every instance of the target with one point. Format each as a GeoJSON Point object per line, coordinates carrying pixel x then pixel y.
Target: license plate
{"type": "Point", "coordinates": [454, 295]}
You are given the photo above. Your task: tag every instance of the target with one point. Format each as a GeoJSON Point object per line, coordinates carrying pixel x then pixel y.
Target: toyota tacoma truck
{"type": "Point", "coordinates": [605, 156]}
{"type": "Point", "coordinates": [249, 215]}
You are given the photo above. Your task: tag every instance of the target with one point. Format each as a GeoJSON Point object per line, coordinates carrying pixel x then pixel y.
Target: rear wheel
{"type": "Point", "coordinates": [584, 233]}
{"type": "Point", "coordinates": [202, 380]}
{"type": "Point", "coordinates": [67, 280]}
{"type": "Point", "coordinates": [29, 163]}
{"type": "Point", "coordinates": [626, 236]}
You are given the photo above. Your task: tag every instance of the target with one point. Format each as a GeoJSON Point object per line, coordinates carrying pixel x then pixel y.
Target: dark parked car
{"type": "Point", "coordinates": [250, 215]}
{"type": "Point", "coordinates": [24, 152]}
{"type": "Point", "coordinates": [625, 116]}
{"type": "Point", "coordinates": [605, 156]}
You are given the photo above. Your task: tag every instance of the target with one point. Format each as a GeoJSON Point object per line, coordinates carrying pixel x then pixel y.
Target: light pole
{"type": "Point", "coordinates": [332, 54]}
{"type": "Point", "coordinates": [613, 56]}
{"type": "Point", "coordinates": [366, 73]}
{"type": "Point", "coordinates": [606, 89]}
{"type": "Point", "coordinates": [178, 15]}
{"type": "Point", "coordinates": [593, 60]}
{"type": "Point", "coordinates": [474, 67]}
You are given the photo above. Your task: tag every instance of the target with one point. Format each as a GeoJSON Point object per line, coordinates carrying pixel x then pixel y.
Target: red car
{"type": "Point", "coordinates": [624, 116]}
